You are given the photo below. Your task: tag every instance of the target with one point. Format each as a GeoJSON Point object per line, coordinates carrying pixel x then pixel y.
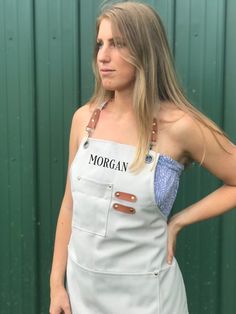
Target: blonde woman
{"type": "Point", "coordinates": [128, 147]}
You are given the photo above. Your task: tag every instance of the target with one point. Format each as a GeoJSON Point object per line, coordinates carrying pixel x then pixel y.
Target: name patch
{"type": "Point", "coordinates": [105, 162]}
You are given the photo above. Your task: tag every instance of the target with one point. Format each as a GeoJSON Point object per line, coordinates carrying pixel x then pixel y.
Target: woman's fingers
{"type": "Point", "coordinates": [170, 252]}
{"type": "Point", "coordinates": [170, 256]}
{"type": "Point", "coordinates": [171, 244]}
{"type": "Point", "coordinates": [60, 303]}
{"type": "Point", "coordinates": [67, 309]}
{"type": "Point", "coordinates": [55, 311]}
{"type": "Point", "coordinates": [61, 310]}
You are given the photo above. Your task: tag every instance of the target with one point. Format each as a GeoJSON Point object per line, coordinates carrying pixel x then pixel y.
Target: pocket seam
{"type": "Point", "coordinates": [77, 215]}
{"type": "Point", "coordinates": [148, 274]}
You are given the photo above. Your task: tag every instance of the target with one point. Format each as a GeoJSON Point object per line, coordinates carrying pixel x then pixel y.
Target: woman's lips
{"type": "Point", "coordinates": [106, 71]}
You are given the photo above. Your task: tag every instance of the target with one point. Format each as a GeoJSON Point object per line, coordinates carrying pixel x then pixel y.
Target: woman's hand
{"type": "Point", "coordinates": [60, 303]}
{"type": "Point", "coordinates": [173, 230]}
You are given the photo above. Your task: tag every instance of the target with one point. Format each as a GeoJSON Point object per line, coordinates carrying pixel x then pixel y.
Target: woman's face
{"type": "Point", "coordinates": [116, 73]}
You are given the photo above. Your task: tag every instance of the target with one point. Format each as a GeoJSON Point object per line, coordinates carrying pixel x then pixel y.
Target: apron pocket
{"type": "Point", "coordinates": [113, 293]}
{"type": "Point", "coordinates": [127, 293]}
{"type": "Point", "coordinates": [91, 203]}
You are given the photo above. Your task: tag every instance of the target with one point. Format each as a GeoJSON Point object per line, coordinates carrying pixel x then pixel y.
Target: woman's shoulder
{"type": "Point", "coordinates": [81, 118]}
{"type": "Point", "coordinates": [196, 136]}
{"type": "Point", "coordinates": [181, 129]}
{"type": "Point", "coordinates": [84, 112]}
{"type": "Point", "coordinates": [175, 120]}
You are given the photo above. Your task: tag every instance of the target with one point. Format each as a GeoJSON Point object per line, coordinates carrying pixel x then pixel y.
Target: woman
{"type": "Point", "coordinates": [128, 147]}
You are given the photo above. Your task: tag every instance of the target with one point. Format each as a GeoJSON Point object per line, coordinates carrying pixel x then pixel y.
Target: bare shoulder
{"type": "Point", "coordinates": [80, 120]}
{"type": "Point", "coordinates": [169, 113]}
{"type": "Point", "coordinates": [173, 125]}
{"type": "Point", "coordinates": [198, 141]}
{"type": "Point", "coordinates": [83, 113]}
{"type": "Point", "coordinates": [186, 132]}
{"type": "Point", "coordinates": [183, 126]}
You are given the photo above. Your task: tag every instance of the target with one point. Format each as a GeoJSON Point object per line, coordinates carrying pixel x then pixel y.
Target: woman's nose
{"type": "Point", "coordinates": [104, 54]}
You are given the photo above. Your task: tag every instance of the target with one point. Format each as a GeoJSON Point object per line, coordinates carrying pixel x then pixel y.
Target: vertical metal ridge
{"type": "Point", "coordinates": [228, 231]}
{"type": "Point", "coordinates": [20, 163]}
{"type": "Point", "coordinates": [174, 28]}
{"type": "Point", "coordinates": [4, 179]}
{"type": "Point", "coordinates": [79, 50]}
{"type": "Point", "coordinates": [224, 63]}
{"type": "Point", "coordinates": [35, 156]}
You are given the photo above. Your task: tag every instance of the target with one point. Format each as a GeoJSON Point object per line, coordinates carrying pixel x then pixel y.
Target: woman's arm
{"type": "Point", "coordinates": [63, 229]}
{"type": "Point", "coordinates": [59, 297]}
{"type": "Point", "coordinates": [219, 162]}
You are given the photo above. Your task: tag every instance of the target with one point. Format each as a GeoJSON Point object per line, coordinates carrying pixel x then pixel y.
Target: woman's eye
{"type": "Point", "coordinates": [119, 44]}
{"type": "Point", "coordinates": [99, 45]}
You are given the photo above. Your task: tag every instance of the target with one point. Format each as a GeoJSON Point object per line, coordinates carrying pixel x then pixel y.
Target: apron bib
{"type": "Point", "coordinates": [117, 250]}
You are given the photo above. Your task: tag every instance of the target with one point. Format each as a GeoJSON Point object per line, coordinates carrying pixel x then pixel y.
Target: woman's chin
{"type": "Point", "coordinates": [108, 87]}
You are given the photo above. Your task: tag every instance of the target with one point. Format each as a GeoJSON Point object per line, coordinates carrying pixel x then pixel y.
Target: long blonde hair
{"type": "Point", "coordinates": [144, 35]}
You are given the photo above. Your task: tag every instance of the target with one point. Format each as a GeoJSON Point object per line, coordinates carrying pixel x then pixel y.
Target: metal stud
{"type": "Point", "coordinates": [116, 206]}
{"type": "Point", "coordinates": [86, 144]}
{"type": "Point", "coordinates": [117, 194]}
{"type": "Point", "coordinates": [132, 197]}
{"type": "Point", "coordinates": [148, 159]}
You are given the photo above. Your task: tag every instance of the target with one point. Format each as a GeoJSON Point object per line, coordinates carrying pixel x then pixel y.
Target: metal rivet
{"type": "Point", "coordinates": [153, 132]}
{"type": "Point", "coordinates": [131, 209]}
{"type": "Point", "coordinates": [116, 206]}
{"type": "Point", "coordinates": [117, 194]}
{"type": "Point", "coordinates": [86, 144]}
{"type": "Point", "coordinates": [92, 120]}
{"type": "Point", "coordinates": [154, 123]}
{"type": "Point", "coordinates": [148, 159]}
{"type": "Point", "coordinates": [132, 197]}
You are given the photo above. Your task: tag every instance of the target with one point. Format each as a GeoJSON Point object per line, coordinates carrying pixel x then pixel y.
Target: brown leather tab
{"type": "Point", "coordinates": [94, 119]}
{"type": "Point", "coordinates": [154, 131]}
{"type": "Point", "coordinates": [123, 208]}
{"type": "Point", "coordinates": [126, 196]}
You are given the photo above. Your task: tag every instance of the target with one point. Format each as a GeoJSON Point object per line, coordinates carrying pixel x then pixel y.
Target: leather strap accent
{"type": "Point", "coordinates": [123, 208]}
{"type": "Point", "coordinates": [154, 131]}
{"type": "Point", "coordinates": [94, 119]}
{"type": "Point", "coordinates": [126, 196]}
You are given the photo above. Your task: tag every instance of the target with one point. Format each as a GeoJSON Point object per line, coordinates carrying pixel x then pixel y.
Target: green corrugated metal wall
{"type": "Point", "coordinates": [45, 74]}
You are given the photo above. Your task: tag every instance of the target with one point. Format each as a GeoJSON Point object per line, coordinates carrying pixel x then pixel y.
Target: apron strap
{"type": "Point", "coordinates": [154, 131]}
{"type": "Point", "coordinates": [95, 117]}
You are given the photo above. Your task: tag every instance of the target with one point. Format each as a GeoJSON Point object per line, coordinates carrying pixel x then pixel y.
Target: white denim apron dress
{"type": "Point", "coordinates": [118, 246]}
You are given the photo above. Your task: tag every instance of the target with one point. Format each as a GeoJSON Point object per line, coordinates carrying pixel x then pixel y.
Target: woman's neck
{"type": "Point", "coordinates": [121, 103]}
